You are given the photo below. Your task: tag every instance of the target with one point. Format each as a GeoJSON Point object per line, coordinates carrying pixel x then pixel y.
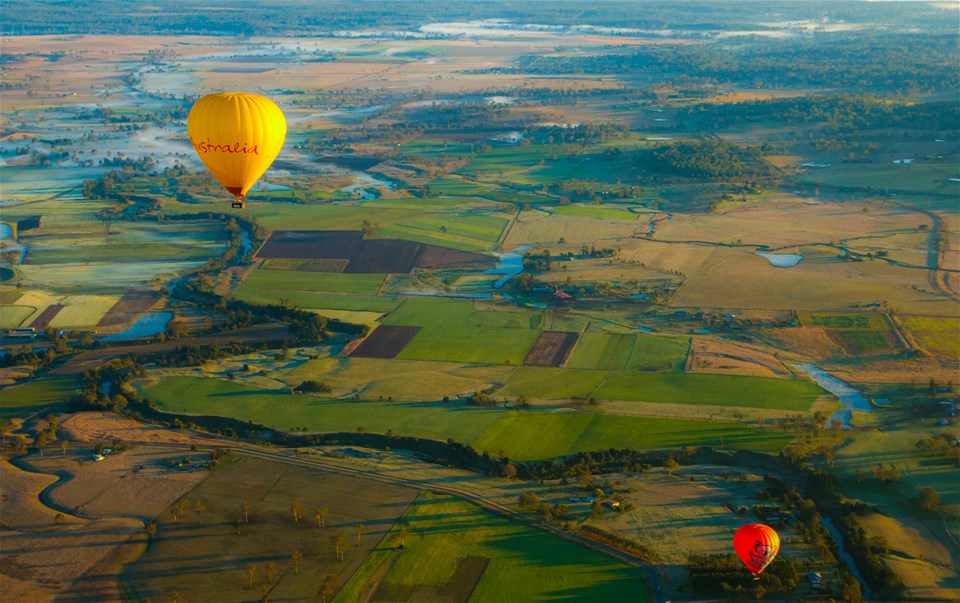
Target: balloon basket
{"type": "Point", "coordinates": [238, 205]}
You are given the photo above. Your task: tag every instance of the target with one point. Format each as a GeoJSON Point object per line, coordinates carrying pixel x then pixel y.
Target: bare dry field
{"type": "Point", "coordinates": [536, 227]}
{"type": "Point", "coordinates": [106, 488]}
{"type": "Point", "coordinates": [719, 356]}
{"type": "Point", "coordinates": [893, 370]}
{"type": "Point", "coordinates": [44, 553]}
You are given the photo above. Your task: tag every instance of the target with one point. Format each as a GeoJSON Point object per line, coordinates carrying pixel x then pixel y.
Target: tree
{"type": "Point", "coordinates": [359, 530]}
{"type": "Point", "coordinates": [63, 447]}
{"type": "Point", "coordinates": [41, 441]}
{"type": "Point", "coordinates": [320, 513]}
{"type": "Point", "coordinates": [271, 571]}
{"type": "Point", "coordinates": [251, 575]}
{"type": "Point", "coordinates": [151, 530]}
{"type": "Point", "coordinates": [400, 537]}
{"type": "Point", "coordinates": [327, 588]}
{"type": "Point", "coordinates": [199, 507]}
{"type": "Point", "coordinates": [339, 542]}
{"type": "Point", "coordinates": [368, 229]}
{"type": "Point", "coordinates": [298, 509]}
{"type": "Point", "coordinates": [297, 558]}
{"type": "Point", "coordinates": [671, 465]}
{"type": "Point", "coordinates": [245, 509]}
{"type": "Point", "coordinates": [929, 499]}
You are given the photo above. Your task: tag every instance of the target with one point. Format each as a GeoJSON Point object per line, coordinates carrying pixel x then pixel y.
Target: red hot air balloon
{"type": "Point", "coordinates": [756, 545]}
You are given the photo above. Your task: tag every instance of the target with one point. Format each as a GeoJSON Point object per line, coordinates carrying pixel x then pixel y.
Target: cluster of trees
{"type": "Point", "coordinates": [865, 551]}
{"type": "Point", "coordinates": [276, 17]}
{"type": "Point", "coordinates": [583, 134]}
{"type": "Point", "coordinates": [942, 445]}
{"type": "Point", "coordinates": [192, 355]}
{"type": "Point", "coordinates": [844, 113]}
{"type": "Point", "coordinates": [709, 159]}
{"type": "Point", "coordinates": [107, 386]}
{"type": "Point", "coordinates": [313, 387]}
{"type": "Point", "coordinates": [723, 573]}
{"type": "Point", "coordinates": [880, 62]}
{"type": "Point", "coordinates": [618, 542]}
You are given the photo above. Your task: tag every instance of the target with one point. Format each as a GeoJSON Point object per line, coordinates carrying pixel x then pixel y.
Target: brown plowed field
{"type": "Point", "coordinates": [367, 256]}
{"type": "Point", "coordinates": [132, 304]}
{"type": "Point", "coordinates": [551, 349]}
{"type": "Point", "coordinates": [385, 342]}
{"type": "Point", "coordinates": [40, 323]}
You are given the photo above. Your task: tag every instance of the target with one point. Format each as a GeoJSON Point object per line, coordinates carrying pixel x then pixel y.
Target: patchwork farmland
{"type": "Point", "coordinates": [525, 309]}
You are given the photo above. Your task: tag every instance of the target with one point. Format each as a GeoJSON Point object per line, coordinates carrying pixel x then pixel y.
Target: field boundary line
{"type": "Point", "coordinates": [475, 498]}
{"type": "Point", "coordinates": [509, 227]}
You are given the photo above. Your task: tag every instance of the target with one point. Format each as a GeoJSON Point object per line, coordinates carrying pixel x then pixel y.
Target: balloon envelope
{"type": "Point", "coordinates": [237, 136]}
{"type": "Point", "coordinates": [756, 545]}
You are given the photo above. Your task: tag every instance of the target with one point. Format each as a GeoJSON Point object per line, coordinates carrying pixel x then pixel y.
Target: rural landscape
{"type": "Point", "coordinates": [539, 301]}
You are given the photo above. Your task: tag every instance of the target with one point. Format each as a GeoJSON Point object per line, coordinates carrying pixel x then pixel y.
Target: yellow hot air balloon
{"type": "Point", "coordinates": [237, 136]}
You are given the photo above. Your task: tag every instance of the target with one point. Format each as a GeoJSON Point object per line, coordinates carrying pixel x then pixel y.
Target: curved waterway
{"type": "Point", "coordinates": [782, 260]}
{"type": "Point", "coordinates": [147, 325]}
{"type": "Point", "coordinates": [850, 398]}
{"type": "Point", "coordinates": [510, 264]}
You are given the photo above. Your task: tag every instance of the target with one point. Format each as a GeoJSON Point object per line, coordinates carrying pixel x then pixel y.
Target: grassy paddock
{"type": "Point", "coordinates": [939, 335]}
{"type": "Point", "coordinates": [202, 552]}
{"type": "Point", "coordinates": [526, 435]}
{"type": "Point", "coordinates": [36, 395]}
{"type": "Point", "coordinates": [286, 280]}
{"type": "Point", "coordinates": [718, 390]}
{"type": "Point", "coordinates": [525, 564]}
{"type": "Point", "coordinates": [471, 344]}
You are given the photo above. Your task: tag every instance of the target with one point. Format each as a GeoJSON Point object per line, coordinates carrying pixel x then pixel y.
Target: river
{"type": "Point", "coordinates": [510, 264]}
{"type": "Point", "coordinates": [147, 325]}
{"type": "Point", "coordinates": [850, 398]}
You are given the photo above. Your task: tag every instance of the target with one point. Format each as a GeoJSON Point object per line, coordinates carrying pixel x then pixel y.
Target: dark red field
{"type": "Point", "coordinates": [131, 305]}
{"type": "Point", "coordinates": [385, 342]}
{"type": "Point", "coordinates": [368, 256]}
{"type": "Point", "coordinates": [551, 349]}
{"type": "Point", "coordinates": [40, 323]}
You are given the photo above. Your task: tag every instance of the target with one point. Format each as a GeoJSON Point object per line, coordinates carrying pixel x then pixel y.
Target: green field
{"type": "Point", "coordinates": [21, 400]}
{"type": "Point", "coordinates": [422, 311]}
{"type": "Point", "coordinates": [553, 383]}
{"type": "Point", "coordinates": [595, 211]}
{"type": "Point", "coordinates": [503, 159]}
{"type": "Point", "coordinates": [527, 435]}
{"type": "Point", "coordinates": [719, 390]}
{"type": "Point", "coordinates": [671, 388]}
{"type": "Point", "coordinates": [13, 316]}
{"type": "Point", "coordinates": [436, 147]}
{"type": "Point", "coordinates": [287, 280]}
{"type": "Point", "coordinates": [524, 435]}
{"type": "Point", "coordinates": [525, 564]}
{"type": "Point", "coordinates": [939, 335]}
{"type": "Point", "coordinates": [471, 344]}
{"type": "Point", "coordinates": [467, 232]}
{"type": "Point", "coordinates": [280, 410]}
{"type": "Point", "coordinates": [844, 321]}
